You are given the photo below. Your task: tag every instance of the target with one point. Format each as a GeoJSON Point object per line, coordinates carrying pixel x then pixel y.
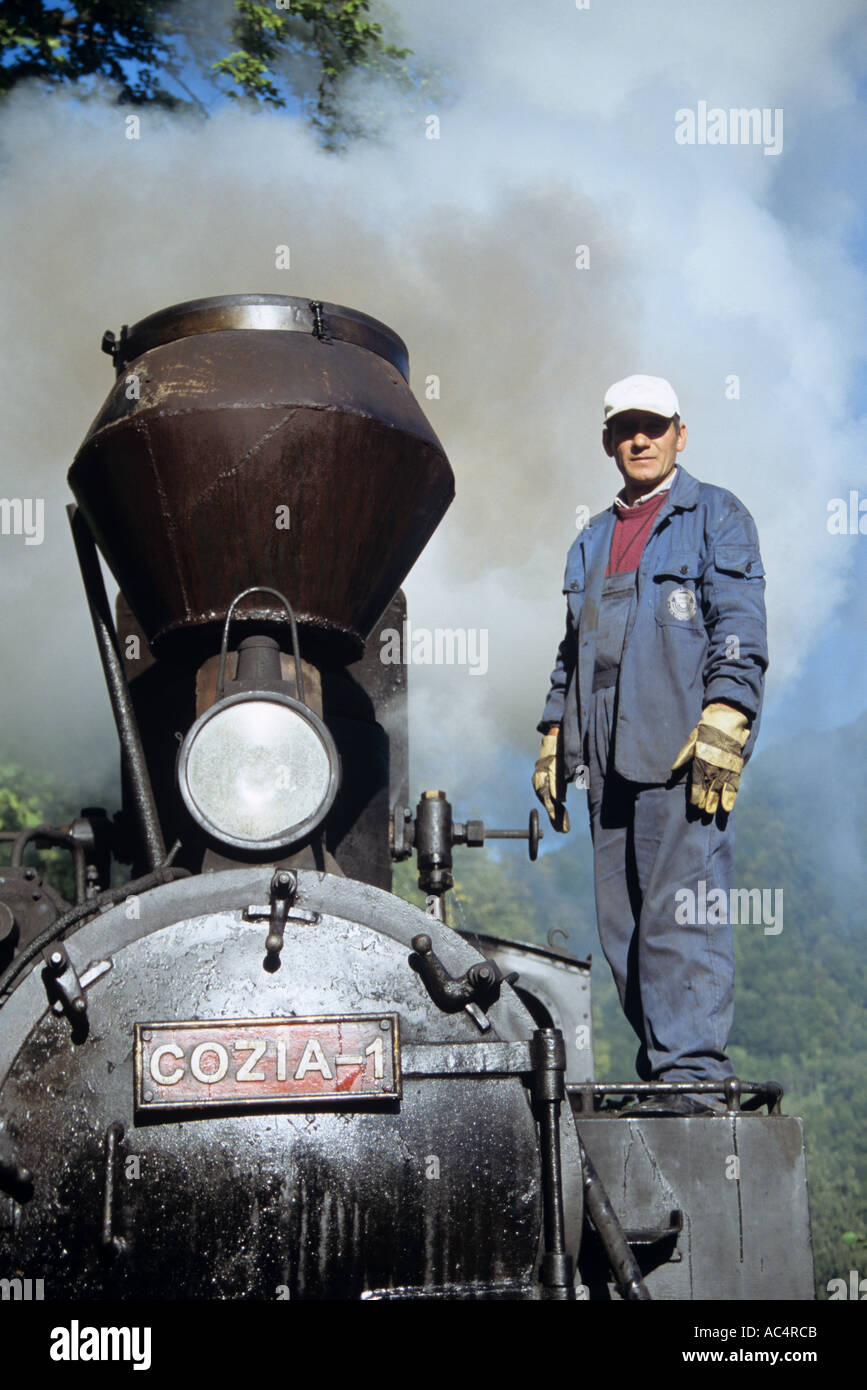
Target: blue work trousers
{"type": "Point", "coordinates": [675, 980]}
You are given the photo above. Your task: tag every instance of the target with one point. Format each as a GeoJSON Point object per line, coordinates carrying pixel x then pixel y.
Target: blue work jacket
{"type": "Point", "coordinates": [697, 631]}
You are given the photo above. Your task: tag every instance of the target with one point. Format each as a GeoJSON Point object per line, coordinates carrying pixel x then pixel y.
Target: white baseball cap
{"type": "Point", "coordinates": [651, 393]}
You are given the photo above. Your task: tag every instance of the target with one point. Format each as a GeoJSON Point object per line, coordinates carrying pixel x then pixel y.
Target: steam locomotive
{"type": "Point", "coordinates": [251, 1071]}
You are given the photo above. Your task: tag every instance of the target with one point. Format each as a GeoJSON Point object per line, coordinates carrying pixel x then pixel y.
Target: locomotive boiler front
{"type": "Point", "coordinates": [270, 1077]}
{"type": "Point", "coordinates": [218, 1130]}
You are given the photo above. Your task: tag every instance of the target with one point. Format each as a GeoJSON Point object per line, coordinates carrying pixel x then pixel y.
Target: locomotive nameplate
{"type": "Point", "coordinates": [267, 1061]}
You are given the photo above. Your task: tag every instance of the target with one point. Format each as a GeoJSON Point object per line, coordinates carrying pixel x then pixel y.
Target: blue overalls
{"type": "Point", "coordinates": [640, 658]}
{"type": "Point", "coordinates": [676, 982]}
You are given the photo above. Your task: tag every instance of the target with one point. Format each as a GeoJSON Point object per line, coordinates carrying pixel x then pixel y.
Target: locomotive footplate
{"type": "Point", "coordinates": [255, 1061]}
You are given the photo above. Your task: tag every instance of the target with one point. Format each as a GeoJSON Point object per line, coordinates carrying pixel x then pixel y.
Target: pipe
{"type": "Point", "coordinates": [118, 690]}
{"type": "Point", "coordinates": [624, 1265]}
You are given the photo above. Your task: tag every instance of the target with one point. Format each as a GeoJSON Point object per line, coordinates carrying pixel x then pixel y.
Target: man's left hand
{"type": "Point", "coordinates": [716, 748]}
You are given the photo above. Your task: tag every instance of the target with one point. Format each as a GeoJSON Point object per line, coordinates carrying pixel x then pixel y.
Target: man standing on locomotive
{"type": "Point", "coordinates": [665, 633]}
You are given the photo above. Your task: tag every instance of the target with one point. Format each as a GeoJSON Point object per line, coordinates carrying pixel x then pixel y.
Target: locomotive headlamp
{"type": "Point", "coordinates": [258, 770]}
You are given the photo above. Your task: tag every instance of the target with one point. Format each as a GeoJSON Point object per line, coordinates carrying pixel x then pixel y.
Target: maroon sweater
{"type": "Point", "coordinates": [631, 529]}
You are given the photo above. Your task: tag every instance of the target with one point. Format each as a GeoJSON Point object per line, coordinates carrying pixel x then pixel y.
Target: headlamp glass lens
{"type": "Point", "coordinates": [257, 769]}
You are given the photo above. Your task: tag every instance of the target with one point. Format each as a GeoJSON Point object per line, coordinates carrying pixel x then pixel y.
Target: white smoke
{"type": "Point", "coordinates": [705, 263]}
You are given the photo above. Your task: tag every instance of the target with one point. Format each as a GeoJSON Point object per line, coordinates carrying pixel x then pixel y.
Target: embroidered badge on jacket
{"type": "Point", "coordinates": [681, 603]}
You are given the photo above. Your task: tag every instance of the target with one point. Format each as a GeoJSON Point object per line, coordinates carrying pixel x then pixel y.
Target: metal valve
{"type": "Point", "coordinates": [473, 834]}
{"type": "Point", "coordinates": [432, 832]}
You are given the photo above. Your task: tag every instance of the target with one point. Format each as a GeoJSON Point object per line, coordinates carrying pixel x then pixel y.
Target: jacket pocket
{"type": "Point", "coordinates": [742, 561]}
{"type": "Point", "coordinates": [677, 591]}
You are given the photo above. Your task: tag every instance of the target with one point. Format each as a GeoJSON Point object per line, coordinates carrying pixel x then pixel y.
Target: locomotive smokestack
{"type": "Point", "coordinates": [260, 440]}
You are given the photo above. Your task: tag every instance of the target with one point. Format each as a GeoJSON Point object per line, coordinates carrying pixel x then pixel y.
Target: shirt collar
{"type": "Point", "coordinates": [621, 502]}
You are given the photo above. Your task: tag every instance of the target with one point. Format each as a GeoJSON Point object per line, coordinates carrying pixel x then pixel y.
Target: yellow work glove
{"type": "Point", "coordinates": [715, 746]}
{"type": "Point", "coordinates": [549, 783]}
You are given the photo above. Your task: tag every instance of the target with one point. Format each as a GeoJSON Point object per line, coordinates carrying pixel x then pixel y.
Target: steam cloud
{"type": "Point", "coordinates": [705, 263]}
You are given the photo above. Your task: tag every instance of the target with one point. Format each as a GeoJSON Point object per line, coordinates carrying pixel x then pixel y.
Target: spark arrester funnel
{"type": "Point", "coordinates": [226, 413]}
